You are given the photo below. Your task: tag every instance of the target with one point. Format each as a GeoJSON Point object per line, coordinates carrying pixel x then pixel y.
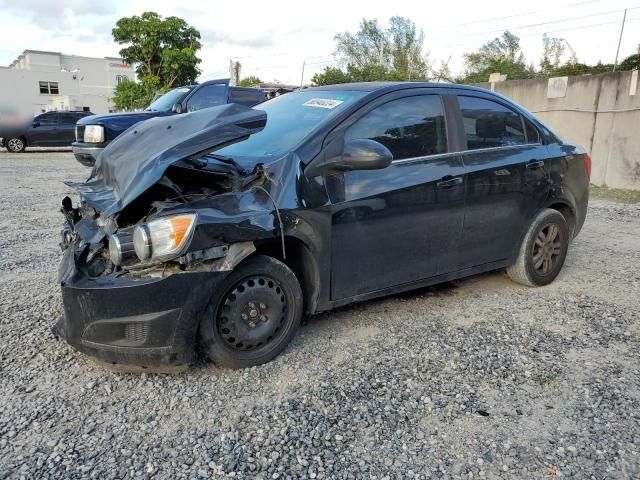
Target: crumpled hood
{"type": "Point", "coordinates": [138, 158]}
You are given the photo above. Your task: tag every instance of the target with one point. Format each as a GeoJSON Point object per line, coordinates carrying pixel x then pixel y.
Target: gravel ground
{"type": "Point", "coordinates": [477, 378]}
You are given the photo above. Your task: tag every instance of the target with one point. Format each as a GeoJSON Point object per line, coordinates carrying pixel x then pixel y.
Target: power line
{"type": "Point", "coordinates": [540, 24]}
{"type": "Point", "coordinates": [488, 20]}
{"type": "Point", "coordinates": [592, 25]}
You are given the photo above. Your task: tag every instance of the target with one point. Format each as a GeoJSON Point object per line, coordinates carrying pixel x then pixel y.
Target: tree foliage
{"type": "Point", "coordinates": [500, 55]}
{"type": "Point", "coordinates": [163, 51]}
{"type": "Point", "coordinates": [632, 62]}
{"type": "Point", "coordinates": [249, 81]}
{"type": "Point", "coordinates": [376, 52]}
{"type": "Point", "coordinates": [130, 95]}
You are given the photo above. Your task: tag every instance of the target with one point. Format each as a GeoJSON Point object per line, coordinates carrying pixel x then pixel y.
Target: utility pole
{"type": "Point", "coordinates": [442, 70]}
{"type": "Point", "coordinates": [302, 76]}
{"type": "Point", "coordinates": [624, 18]}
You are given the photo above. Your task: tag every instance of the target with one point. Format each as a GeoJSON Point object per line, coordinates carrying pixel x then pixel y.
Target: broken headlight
{"type": "Point", "coordinates": [163, 238]}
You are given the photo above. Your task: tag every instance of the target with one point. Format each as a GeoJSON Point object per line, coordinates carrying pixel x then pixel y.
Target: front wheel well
{"type": "Point", "coordinates": [300, 260]}
{"type": "Point", "coordinates": [568, 215]}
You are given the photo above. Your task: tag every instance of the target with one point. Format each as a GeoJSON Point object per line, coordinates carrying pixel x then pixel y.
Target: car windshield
{"type": "Point", "coordinates": [168, 100]}
{"type": "Point", "coordinates": [290, 118]}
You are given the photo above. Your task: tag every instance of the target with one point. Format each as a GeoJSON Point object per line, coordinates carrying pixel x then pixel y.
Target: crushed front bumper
{"type": "Point", "coordinates": [149, 322]}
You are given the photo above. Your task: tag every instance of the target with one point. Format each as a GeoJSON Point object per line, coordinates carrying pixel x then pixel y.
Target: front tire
{"type": "Point", "coordinates": [15, 144]}
{"type": "Point", "coordinates": [254, 314]}
{"type": "Point", "coordinates": [543, 250]}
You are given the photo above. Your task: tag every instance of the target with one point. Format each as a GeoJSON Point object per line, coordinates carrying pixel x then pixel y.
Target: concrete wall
{"type": "Point", "coordinates": [600, 112]}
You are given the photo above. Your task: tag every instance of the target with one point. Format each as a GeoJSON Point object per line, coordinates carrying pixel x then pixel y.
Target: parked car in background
{"type": "Point", "coordinates": [50, 129]}
{"type": "Point", "coordinates": [222, 227]}
{"type": "Point", "coordinates": [95, 133]}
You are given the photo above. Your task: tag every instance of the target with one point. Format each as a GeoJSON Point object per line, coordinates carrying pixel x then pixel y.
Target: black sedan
{"type": "Point", "coordinates": [223, 227]}
{"type": "Point", "coordinates": [50, 129]}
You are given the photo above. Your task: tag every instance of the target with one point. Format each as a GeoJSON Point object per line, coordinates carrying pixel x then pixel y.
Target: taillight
{"type": "Point", "coordinates": [587, 164]}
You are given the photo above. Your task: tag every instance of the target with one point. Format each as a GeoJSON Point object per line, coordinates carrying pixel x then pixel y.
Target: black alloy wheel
{"type": "Point", "coordinates": [253, 315]}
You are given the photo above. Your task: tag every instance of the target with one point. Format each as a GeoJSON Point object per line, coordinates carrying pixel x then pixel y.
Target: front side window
{"type": "Point", "coordinates": [409, 127]}
{"type": "Point", "coordinates": [49, 88]}
{"type": "Point", "coordinates": [47, 119]}
{"type": "Point", "coordinates": [488, 124]}
{"type": "Point", "coordinates": [532, 133]}
{"type": "Point", "coordinates": [207, 96]}
{"type": "Point", "coordinates": [164, 102]}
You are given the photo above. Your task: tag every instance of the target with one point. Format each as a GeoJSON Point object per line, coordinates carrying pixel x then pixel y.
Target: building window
{"type": "Point", "coordinates": [49, 88]}
{"type": "Point", "coordinates": [121, 78]}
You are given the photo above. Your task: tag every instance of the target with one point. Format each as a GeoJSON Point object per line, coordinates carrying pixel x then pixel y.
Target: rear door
{"type": "Point", "coordinates": [399, 224]}
{"type": "Point", "coordinates": [66, 128]}
{"type": "Point", "coordinates": [507, 182]}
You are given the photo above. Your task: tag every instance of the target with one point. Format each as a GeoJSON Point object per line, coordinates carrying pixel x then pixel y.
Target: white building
{"type": "Point", "coordinates": [39, 81]}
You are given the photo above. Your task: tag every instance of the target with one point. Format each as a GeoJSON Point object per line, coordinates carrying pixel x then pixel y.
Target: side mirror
{"type": "Point", "coordinates": [177, 108]}
{"type": "Point", "coordinates": [35, 124]}
{"type": "Point", "coordinates": [357, 154]}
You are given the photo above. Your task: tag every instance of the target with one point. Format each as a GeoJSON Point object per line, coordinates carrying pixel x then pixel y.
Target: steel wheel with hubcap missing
{"type": "Point", "coordinates": [15, 145]}
{"type": "Point", "coordinates": [255, 315]}
{"type": "Point", "coordinates": [543, 250]}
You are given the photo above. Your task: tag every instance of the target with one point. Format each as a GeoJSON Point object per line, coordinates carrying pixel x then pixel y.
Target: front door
{"type": "Point", "coordinates": [402, 223]}
{"type": "Point", "coordinates": [42, 131]}
{"type": "Point", "coordinates": [507, 180]}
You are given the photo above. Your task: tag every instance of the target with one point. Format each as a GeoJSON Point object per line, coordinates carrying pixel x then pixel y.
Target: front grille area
{"type": "Point", "coordinates": [79, 133]}
{"type": "Point", "coordinates": [136, 332]}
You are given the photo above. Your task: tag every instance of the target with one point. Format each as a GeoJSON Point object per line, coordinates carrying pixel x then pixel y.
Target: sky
{"type": "Point", "coordinates": [272, 39]}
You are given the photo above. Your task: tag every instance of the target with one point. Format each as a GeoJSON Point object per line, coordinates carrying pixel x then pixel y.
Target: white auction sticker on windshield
{"type": "Point", "coordinates": [182, 89]}
{"type": "Point", "coordinates": [322, 103]}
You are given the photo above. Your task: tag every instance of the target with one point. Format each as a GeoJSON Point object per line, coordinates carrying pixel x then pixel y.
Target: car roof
{"type": "Point", "coordinates": [390, 86]}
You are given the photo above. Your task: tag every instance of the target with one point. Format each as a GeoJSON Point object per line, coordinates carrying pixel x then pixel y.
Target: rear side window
{"type": "Point", "coordinates": [248, 97]}
{"type": "Point", "coordinates": [207, 96]}
{"type": "Point", "coordinates": [409, 127]}
{"type": "Point", "coordinates": [488, 124]}
{"type": "Point", "coordinates": [68, 118]}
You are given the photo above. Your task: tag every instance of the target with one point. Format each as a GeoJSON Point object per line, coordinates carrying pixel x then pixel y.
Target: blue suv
{"type": "Point", "coordinates": [93, 133]}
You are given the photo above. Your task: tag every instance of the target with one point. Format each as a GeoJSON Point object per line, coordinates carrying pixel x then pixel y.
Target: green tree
{"type": "Point", "coordinates": [553, 49]}
{"type": "Point", "coordinates": [503, 55]}
{"type": "Point", "coordinates": [130, 95]}
{"type": "Point", "coordinates": [330, 76]}
{"type": "Point", "coordinates": [249, 81]}
{"type": "Point", "coordinates": [632, 62]}
{"type": "Point", "coordinates": [396, 49]}
{"type": "Point", "coordinates": [163, 51]}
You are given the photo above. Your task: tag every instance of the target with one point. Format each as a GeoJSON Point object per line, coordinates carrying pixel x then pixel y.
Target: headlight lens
{"type": "Point", "coordinates": [94, 134]}
{"type": "Point", "coordinates": [163, 238]}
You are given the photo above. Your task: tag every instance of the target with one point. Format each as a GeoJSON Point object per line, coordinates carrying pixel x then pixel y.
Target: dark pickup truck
{"type": "Point", "coordinates": [94, 133]}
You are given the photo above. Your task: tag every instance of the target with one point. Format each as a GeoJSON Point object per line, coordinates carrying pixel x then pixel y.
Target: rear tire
{"type": "Point", "coordinates": [15, 144]}
{"type": "Point", "coordinates": [253, 315]}
{"type": "Point", "coordinates": [543, 250]}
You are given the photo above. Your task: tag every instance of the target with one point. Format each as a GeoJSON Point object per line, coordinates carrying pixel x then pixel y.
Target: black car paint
{"type": "Point", "coordinates": [49, 129]}
{"type": "Point", "coordinates": [116, 123]}
{"type": "Point", "coordinates": [349, 236]}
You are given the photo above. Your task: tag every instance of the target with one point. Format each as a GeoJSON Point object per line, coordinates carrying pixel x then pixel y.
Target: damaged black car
{"type": "Point", "coordinates": [217, 230]}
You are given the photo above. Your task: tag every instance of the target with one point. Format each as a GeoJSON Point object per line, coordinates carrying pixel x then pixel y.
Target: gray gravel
{"type": "Point", "coordinates": [478, 378]}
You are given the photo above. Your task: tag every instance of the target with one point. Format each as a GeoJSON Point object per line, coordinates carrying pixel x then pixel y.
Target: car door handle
{"type": "Point", "coordinates": [448, 182]}
{"type": "Point", "coordinates": [535, 164]}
